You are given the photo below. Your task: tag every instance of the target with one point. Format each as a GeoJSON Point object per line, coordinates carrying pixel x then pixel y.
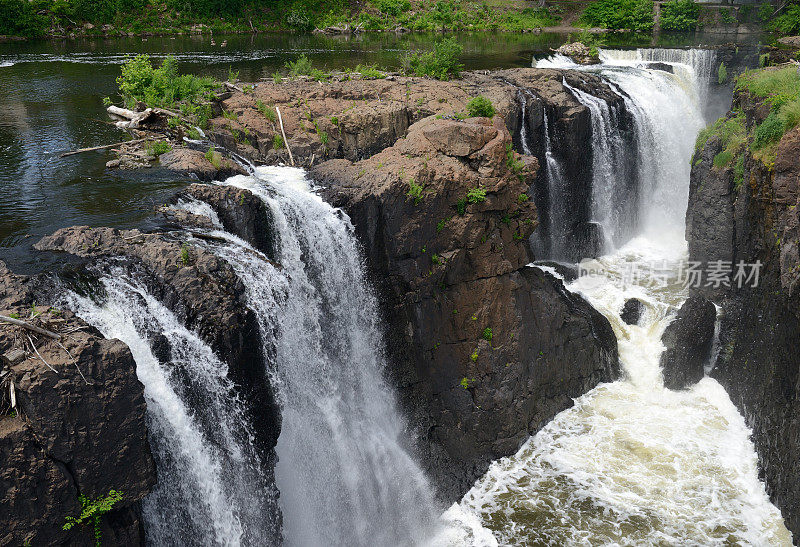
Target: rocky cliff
{"type": "Point", "coordinates": [746, 210]}
{"type": "Point", "coordinates": [77, 429]}
{"type": "Point", "coordinates": [484, 349]}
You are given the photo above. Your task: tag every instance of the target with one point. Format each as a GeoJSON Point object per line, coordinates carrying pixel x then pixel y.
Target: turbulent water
{"type": "Point", "coordinates": [633, 463]}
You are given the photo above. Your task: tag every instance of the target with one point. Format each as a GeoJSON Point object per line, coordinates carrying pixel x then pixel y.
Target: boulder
{"type": "Point", "coordinates": [79, 426]}
{"type": "Point", "coordinates": [688, 340]}
{"type": "Point", "coordinates": [632, 311]}
{"type": "Point", "coordinates": [187, 161]}
{"type": "Point", "coordinates": [579, 53]}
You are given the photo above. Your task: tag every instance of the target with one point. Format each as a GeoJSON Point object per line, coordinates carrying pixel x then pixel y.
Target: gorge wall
{"type": "Point", "coordinates": [747, 211]}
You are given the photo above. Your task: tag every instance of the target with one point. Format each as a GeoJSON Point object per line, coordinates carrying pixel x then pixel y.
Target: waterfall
{"type": "Point", "coordinates": [211, 485]}
{"type": "Point", "coordinates": [633, 463]}
{"type": "Point", "coordinates": [344, 472]}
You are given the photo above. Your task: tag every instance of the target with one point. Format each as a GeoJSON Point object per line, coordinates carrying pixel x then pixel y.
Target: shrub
{"type": "Point", "coordinates": [214, 157]}
{"type": "Point", "coordinates": [722, 74]}
{"type": "Point", "coordinates": [788, 22]}
{"type": "Point", "coordinates": [441, 63]}
{"type": "Point", "coordinates": [267, 111]}
{"type": "Point", "coordinates": [522, 198]}
{"type": "Point", "coordinates": [679, 15]}
{"type": "Point", "coordinates": [163, 86]}
{"type": "Point", "coordinates": [277, 142]}
{"type": "Point", "coordinates": [157, 148]}
{"type": "Point", "coordinates": [392, 7]}
{"type": "Point", "coordinates": [19, 18]}
{"type": "Point", "coordinates": [635, 15]}
{"type": "Point", "coordinates": [303, 67]}
{"type": "Point", "coordinates": [480, 107]}
{"type": "Point", "coordinates": [731, 133]}
{"type": "Point", "coordinates": [769, 131]}
{"type": "Point", "coordinates": [487, 334]}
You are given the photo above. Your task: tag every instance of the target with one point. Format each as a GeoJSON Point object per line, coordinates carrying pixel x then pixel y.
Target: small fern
{"type": "Point", "coordinates": [92, 511]}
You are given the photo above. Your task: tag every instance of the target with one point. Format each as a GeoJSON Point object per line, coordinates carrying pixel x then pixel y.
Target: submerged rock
{"type": "Point", "coordinates": [632, 311]}
{"type": "Point", "coordinates": [484, 351]}
{"type": "Point", "coordinates": [688, 340]}
{"type": "Point", "coordinates": [79, 426]}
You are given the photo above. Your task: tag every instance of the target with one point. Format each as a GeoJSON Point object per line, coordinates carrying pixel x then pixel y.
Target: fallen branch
{"type": "Point", "coordinates": [34, 328]}
{"type": "Point", "coordinates": [285, 141]}
{"type": "Point", "coordinates": [90, 149]}
{"type": "Point", "coordinates": [39, 355]}
{"type": "Point", "coordinates": [233, 86]}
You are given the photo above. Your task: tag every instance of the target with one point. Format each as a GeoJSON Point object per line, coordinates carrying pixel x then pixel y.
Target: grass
{"type": "Point", "coordinates": [214, 157]}
{"type": "Point", "coordinates": [277, 142]}
{"type": "Point", "coordinates": [732, 133]}
{"type": "Point", "coordinates": [267, 111]}
{"type": "Point", "coordinates": [780, 87]}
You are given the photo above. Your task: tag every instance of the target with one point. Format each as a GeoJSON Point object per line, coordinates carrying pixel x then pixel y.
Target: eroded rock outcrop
{"type": "Point", "coordinates": [688, 339]}
{"type": "Point", "coordinates": [203, 291]}
{"type": "Point", "coordinates": [755, 220]}
{"type": "Point", "coordinates": [187, 161]}
{"type": "Point", "coordinates": [78, 427]}
{"type": "Point", "coordinates": [484, 350]}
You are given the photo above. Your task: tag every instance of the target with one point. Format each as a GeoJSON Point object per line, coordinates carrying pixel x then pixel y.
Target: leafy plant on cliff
{"type": "Point", "coordinates": [441, 63]}
{"type": "Point", "coordinates": [466, 383]}
{"type": "Point", "coordinates": [679, 15]}
{"type": "Point", "coordinates": [480, 107]}
{"type": "Point", "coordinates": [214, 157]}
{"type": "Point", "coordinates": [731, 132]}
{"type": "Point", "coordinates": [415, 191]}
{"type": "Point", "coordinates": [722, 74]}
{"type": "Point", "coordinates": [476, 195]}
{"type": "Point", "coordinates": [487, 334]}
{"type": "Point", "coordinates": [92, 511]}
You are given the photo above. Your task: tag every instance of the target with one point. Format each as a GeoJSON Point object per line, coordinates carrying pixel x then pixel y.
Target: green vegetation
{"type": "Point", "coordinates": [441, 63]}
{"type": "Point", "coordinates": [722, 74]}
{"type": "Point", "coordinates": [461, 206]}
{"type": "Point", "coordinates": [184, 258]}
{"type": "Point", "coordinates": [156, 148]}
{"type": "Point", "coordinates": [214, 157]}
{"type": "Point", "coordinates": [415, 191]}
{"type": "Point", "coordinates": [474, 356]}
{"type": "Point", "coordinates": [267, 111]}
{"type": "Point", "coordinates": [370, 72]}
{"type": "Point", "coordinates": [522, 198]}
{"type": "Point", "coordinates": [732, 134]}
{"type": "Point", "coordinates": [476, 195]}
{"type": "Point", "coordinates": [635, 15]}
{"type": "Point", "coordinates": [679, 15]}
{"type": "Point", "coordinates": [480, 107]}
{"type": "Point", "coordinates": [514, 165]}
{"type": "Point", "coordinates": [787, 22]}
{"type": "Point", "coordinates": [465, 382]}
{"type": "Point", "coordinates": [487, 334]}
{"type": "Point", "coordinates": [92, 511]}
{"type": "Point", "coordinates": [277, 142]}
{"type": "Point", "coordinates": [780, 88]}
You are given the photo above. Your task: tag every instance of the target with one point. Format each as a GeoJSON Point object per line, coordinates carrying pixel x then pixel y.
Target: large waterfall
{"type": "Point", "coordinates": [633, 463]}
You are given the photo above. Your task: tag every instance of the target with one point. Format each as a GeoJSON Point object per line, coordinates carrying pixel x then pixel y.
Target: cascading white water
{"type": "Point", "coordinates": [211, 486]}
{"type": "Point", "coordinates": [344, 472]}
{"type": "Point", "coordinates": [633, 463]}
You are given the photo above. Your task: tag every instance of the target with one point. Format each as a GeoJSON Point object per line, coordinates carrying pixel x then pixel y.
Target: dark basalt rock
{"type": "Point", "coordinates": [568, 271]}
{"type": "Point", "coordinates": [205, 294]}
{"type": "Point", "coordinates": [632, 311]}
{"type": "Point", "coordinates": [483, 350]}
{"type": "Point", "coordinates": [758, 362]}
{"type": "Point", "coordinates": [241, 212]}
{"type": "Point", "coordinates": [71, 435]}
{"type": "Point", "coordinates": [689, 340]}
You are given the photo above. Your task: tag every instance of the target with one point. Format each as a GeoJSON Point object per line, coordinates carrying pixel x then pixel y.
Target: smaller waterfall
{"type": "Point", "coordinates": [615, 186]}
{"type": "Point", "coordinates": [212, 488]}
{"type": "Point", "coordinates": [344, 472]}
{"type": "Point", "coordinates": [557, 196]}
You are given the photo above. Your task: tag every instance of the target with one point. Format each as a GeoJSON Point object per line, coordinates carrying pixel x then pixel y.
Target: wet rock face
{"type": "Point", "coordinates": [477, 341]}
{"type": "Point", "coordinates": [689, 340]}
{"type": "Point", "coordinates": [758, 362]}
{"type": "Point", "coordinates": [632, 311]}
{"type": "Point", "coordinates": [205, 294]}
{"type": "Point", "coordinates": [78, 430]}
{"type": "Point", "coordinates": [240, 212]}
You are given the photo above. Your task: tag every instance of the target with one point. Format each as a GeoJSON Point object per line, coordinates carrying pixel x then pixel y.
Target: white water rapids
{"type": "Point", "coordinates": [633, 463]}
